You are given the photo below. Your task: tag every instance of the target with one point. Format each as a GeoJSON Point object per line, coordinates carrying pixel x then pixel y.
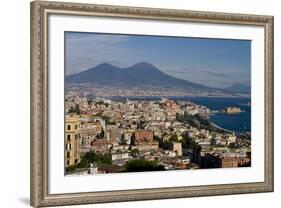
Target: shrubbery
{"type": "Point", "coordinates": [198, 121]}
{"type": "Point", "coordinates": [141, 165]}
{"type": "Point", "coordinates": [91, 157]}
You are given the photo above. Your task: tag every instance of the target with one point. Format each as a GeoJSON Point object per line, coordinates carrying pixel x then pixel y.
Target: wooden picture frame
{"type": "Point", "coordinates": [39, 103]}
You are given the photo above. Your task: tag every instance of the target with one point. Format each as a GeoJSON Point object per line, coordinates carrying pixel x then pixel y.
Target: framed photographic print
{"type": "Point", "coordinates": [142, 103]}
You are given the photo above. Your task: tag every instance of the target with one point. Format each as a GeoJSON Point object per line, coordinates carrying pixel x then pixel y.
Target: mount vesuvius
{"type": "Point", "coordinates": [141, 75]}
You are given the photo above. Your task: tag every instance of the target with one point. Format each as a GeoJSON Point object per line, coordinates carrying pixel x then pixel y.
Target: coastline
{"type": "Point", "coordinates": [220, 128]}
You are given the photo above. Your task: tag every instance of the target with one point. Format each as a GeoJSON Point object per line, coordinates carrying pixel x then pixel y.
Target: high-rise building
{"type": "Point", "coordinates": [72, 140]}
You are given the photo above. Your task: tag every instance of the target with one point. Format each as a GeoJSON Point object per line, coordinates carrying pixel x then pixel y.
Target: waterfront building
{"type": "Point", "coordinates": [232, 110]}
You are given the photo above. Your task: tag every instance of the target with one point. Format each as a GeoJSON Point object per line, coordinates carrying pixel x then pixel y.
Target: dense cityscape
{"type": "Point", "coordinates": [104, 135]}
{"type": "Point", "coordinates": [136, 103]}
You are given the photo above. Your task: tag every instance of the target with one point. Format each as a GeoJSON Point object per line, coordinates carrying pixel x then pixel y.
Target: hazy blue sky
{"type": "Point", "coordinates": [212, 62]}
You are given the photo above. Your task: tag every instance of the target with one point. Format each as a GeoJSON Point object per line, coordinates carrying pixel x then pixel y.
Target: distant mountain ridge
{"type": "Point", "coordinates": [140, 75]}
{"type": "Point", "coordinates": [238, 88]}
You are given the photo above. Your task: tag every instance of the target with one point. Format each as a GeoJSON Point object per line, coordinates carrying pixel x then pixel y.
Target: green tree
{"type": "Point", "coordinates": [198, 121]}
{"type": "Point", "coordinates": [76, 109]}
{"type": "Point", "coordinates": [135, 152]}
{"type": "Point", "coordinates": [142, 165]}
{"type": "Point", "coordinates": [187, 142]}
{"type": "Point", "coordinates": [91, 157]}
{"type": "Point", "coordinates": [174, 138]}
{"type": "Point", "coordinates": [70, 168]}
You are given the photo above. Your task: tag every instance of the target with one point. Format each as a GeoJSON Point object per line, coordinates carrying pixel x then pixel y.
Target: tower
{"type": "Point", "coordinates": [177, 147]}
{"type": "Point", "coordinates": [72, 140]}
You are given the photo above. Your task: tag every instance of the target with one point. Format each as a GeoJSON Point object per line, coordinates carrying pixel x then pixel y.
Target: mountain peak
{"type": "Point", "coordinates": [141, 75]}
{"type": "Point", "coordinates": [238, 87]}
{"type": "Point", "coordinates": [107, 65]}
{"type": "Point", "coordinates": [143, 64]}
{"type": "Point", "coordinates": [144, 67]}
{"type": "Point", "coordinates": [103, 67]}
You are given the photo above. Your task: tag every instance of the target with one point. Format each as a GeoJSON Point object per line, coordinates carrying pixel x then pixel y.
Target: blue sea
{"type": "Point", "coordinates": [240, 122]}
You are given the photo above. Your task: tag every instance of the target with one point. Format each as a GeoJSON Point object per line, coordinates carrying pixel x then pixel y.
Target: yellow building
{"type": "Point", "coordinates": [72, 140]}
